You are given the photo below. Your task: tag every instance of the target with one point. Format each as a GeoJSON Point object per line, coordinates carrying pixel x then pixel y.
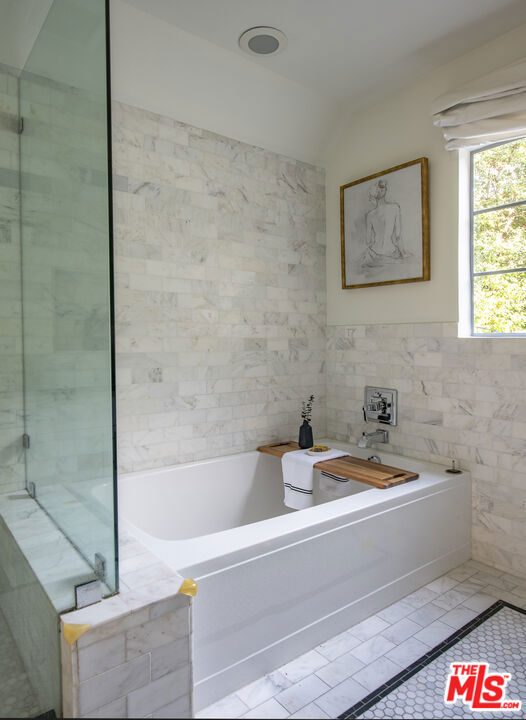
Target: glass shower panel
{"type": "Point", "coordinates": [66, 271]}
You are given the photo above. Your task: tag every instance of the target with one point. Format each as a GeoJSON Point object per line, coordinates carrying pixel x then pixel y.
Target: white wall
{"type": "Point", "coordinates": [166, 70]}
{"type": "Point", "coordinates": [394, 131]}
{"type": "Point", "coordinates": [460, 398]}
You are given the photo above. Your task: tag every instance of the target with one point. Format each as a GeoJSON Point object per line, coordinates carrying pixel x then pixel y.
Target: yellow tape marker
{"type": "Point", "coordinates": [189, 587]}
{"type": "Point", "coordinates": [73, 632]}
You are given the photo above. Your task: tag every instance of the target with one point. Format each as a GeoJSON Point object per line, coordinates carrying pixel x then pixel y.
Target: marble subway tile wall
{"type": "Point", "coordinates": [66, 257]}
{"type": "Point", "coordinates": [66, 285]}
{"type": "Point", "coordinates": [220, 292]}
{"type": "Point", "coordinates": [135, 666]}
{"type": "Point", "coordinates": [11, 398]}
{"type": "Point", "coordinates": [462, 398]}
{"type": "Point", "coordinates": [135, 660]}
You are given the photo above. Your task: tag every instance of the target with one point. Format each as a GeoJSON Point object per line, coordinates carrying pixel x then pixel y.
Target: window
{"type": "Point", "coordinates": [498, 239]}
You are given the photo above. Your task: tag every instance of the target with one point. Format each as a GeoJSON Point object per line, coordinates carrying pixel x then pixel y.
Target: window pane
{"type": "Point", "coordinates": [499, 303]}
{"type": "Point", "coordinates": [499, 175]}
{"type": "Point", "coordinates": [499, 239]}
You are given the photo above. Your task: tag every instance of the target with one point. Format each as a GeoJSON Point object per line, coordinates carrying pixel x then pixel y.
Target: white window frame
{"type": "Point", "coordinates": [467, 305]}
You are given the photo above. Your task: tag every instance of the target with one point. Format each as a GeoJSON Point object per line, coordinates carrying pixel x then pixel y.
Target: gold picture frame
{"type": "Point", "coordinates": [385, 227]}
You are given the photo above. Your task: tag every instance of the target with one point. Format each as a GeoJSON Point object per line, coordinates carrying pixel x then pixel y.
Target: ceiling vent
{"type": "Point", "coordinates": [262, 41]}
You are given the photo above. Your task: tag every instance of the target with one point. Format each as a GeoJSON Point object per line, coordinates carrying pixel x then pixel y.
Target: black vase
{"type": "Point", "coordinates": [305, 439]}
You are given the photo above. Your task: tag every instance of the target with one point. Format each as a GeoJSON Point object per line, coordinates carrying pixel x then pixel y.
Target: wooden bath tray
{"type": "Point", "coordinates": [371, 473]}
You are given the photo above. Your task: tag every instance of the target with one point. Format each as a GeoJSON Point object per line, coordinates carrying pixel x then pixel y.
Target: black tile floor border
{"type": "Point", "coordinates": [388, 687]}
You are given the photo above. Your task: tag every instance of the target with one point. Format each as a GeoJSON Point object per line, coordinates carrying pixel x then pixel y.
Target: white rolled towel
{"type": "Point", "coordinates": [298, 476]}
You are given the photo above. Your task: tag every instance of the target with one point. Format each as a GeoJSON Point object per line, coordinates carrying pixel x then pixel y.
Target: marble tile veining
{"type": "Point", "coordinates": [220, 292]}
{"type": "Point", "coordinates": [135, 659]}
{"type": "Point", "coordinates": [461, 398]}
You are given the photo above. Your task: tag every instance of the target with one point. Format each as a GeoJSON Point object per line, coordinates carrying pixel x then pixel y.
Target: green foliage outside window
{"type": "Point", "coordinates": [499, 238]}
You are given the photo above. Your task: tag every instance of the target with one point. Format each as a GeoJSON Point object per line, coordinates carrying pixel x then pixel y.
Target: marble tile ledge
{"type": "Point", "coordinates": [143, 581]}
{"type": "Point", "coordinates": [130, 655]}
{"type": "Point", "coordinates": [52, 558]}
{"type": "Point", "coordinates": [143, 578]}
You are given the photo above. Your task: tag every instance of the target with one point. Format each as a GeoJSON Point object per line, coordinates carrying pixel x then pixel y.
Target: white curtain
{"type": "Point", "coordinates": [484, 111]}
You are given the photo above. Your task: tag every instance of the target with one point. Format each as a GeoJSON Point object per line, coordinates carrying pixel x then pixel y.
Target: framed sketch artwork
{"type": "Point", "coordinates": [385, 227]}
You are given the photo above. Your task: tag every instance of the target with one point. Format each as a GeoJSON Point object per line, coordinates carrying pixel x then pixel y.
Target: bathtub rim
{"type": "Point", "coordinates": [207, 554]}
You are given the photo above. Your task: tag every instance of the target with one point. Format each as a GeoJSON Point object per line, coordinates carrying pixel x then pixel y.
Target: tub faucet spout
{"type": "Point", "coordinates": [378, 436]}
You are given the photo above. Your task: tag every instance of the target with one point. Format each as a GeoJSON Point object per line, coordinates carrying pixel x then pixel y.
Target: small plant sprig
{"type": "Point", "coordinates": [306, 409]}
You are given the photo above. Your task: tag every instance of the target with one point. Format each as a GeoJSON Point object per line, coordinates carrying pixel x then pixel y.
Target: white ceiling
{"type": "Point", "coordinates": [20, 23]}
{"type": "Point", "coordinates": [181, 58]}
{"type": "Point", "coordinates": [348, 50]}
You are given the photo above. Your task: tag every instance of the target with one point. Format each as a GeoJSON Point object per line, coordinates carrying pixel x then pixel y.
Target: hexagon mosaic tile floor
{"type": "Point", "coordinates": [500, 640]}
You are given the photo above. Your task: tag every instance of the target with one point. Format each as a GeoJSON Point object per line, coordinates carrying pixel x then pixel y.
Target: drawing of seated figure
{"type": "Point", "coordinates": [383, 240]}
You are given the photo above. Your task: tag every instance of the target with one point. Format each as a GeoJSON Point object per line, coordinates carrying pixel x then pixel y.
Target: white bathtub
{"type": "Point", "coordinates": [273, 583]}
